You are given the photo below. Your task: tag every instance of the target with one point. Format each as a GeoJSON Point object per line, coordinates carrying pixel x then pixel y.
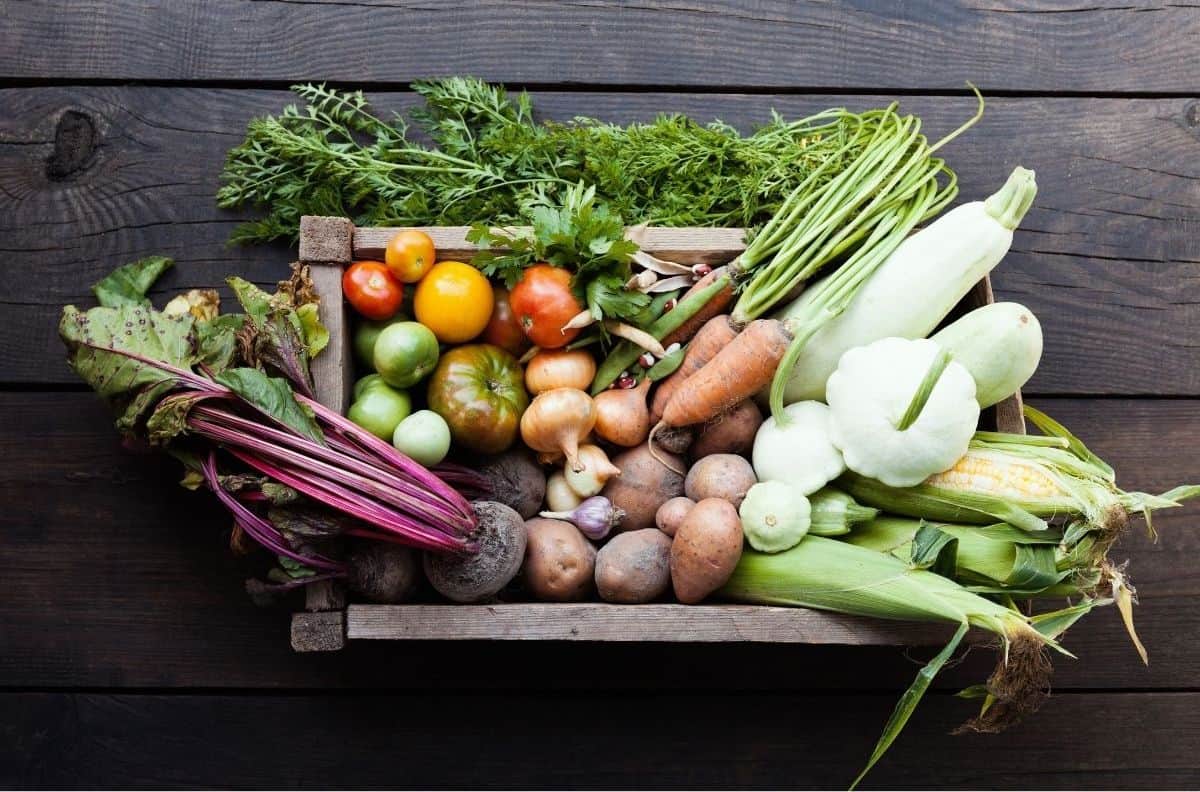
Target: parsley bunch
{"type": "Point", "coordinates": [579, 234]}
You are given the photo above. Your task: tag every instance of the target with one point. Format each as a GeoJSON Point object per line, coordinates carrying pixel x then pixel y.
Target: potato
{"type": "Point", "coordinates": [671, 513]}
{"type": "Point", "coordinates": [382, 572]}
{"type": "Point", "coordinates": [726, 476]}
{"type": "Point", "coordinates": [559, 561]}
{"type": "Point", "coordinates": [643, 486]}
{"type": "Point", "coordinates": [634, 567]}
{"type": "Point", "coordinates": [732, 432]}
{"type": "Point", "coordinates": [517, 481]}
{"type": "Point", "coordinates": [705, 550]}
{"type": "Point", "coordinates": [480, 576]}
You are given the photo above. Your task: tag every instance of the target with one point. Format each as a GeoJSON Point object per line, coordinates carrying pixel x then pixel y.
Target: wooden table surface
{"type": "Point", "coordinates": [129, 654]}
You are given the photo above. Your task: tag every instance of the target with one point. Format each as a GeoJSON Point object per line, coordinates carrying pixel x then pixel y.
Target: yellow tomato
{"type": "Point", "coordinates": [410, 255]}
{"type": "Point", "coordinates": [454, 301]}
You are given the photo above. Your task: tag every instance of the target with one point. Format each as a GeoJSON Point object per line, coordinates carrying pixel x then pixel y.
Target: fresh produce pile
{"type": "Point", "coordinates": [798, 427]}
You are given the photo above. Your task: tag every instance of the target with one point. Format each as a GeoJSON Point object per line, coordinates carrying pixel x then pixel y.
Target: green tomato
{"type": "Point", "coordinates": [379, 409]}
{"type": "Point", "coordinates": [366, 383]}
{"type": "Point", "coordinates": [405, 353]}
{"type": "Point", "coordinates": [424, 437]}
{"type": "Point", "coordinates": [366, 333]}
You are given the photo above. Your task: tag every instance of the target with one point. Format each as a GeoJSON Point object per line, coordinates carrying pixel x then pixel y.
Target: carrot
{"type": "Point", "coordinates": [716, 333]}
{"type": "Point", "coordinates": [716, 304]}
{"type": "Point", "coordinates": [741, 369]}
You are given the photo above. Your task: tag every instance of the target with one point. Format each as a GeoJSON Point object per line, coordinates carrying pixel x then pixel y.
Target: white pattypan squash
{"type": "Point", "coordinates": [869, 394]}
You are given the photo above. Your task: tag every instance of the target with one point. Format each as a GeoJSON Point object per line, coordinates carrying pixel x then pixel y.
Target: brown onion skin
{"type": "Point", "coordinates": [558, 420]}
{"type": "Point", "coordinates": [622, 417]}
{"type": "Point", "coordinates": [560, 368]}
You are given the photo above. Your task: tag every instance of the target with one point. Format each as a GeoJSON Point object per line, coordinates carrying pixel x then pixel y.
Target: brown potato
{"type": "Point", "coordinates": [726, 476]}
{"type": "Point", "coordinates": [732, 432]}
{"type": "Point", "coordinates": [671, 513]}
{"type": "Point", "coordinates": [559, 561]}
{"type": "Point", "coordinates": [706, 549]}
{"type": "Point", "coordinates": [634, 567]}
{"type": "Point", "coordinates": [643, 486]}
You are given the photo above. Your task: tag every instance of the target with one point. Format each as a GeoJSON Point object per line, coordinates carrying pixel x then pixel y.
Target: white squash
{"type": "Point", "coordinates": [999, 344]}
{"type": "Point", "coordinates": [800, 452]}
{"type": "Point", "coordinates": [882, 429]}
{"type": "Point", "coordinates": [775, 516]}
{"type": "Point", "coordinates": [917, 286]}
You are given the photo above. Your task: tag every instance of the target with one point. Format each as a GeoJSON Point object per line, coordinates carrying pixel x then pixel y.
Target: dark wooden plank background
{"type": "Point", "coordinates": [129, 655]}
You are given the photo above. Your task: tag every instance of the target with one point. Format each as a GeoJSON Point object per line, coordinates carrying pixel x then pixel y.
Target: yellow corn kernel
{"type": "Point", "coordinates": [983, 474]}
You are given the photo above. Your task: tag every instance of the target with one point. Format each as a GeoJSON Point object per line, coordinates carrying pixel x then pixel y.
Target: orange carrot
{"type": "Point", "coordinates": [715, 334]}
{"type": "Point", "coordinates": [741, 369]}
{"type": "Point", "coordinates": [717, 304]}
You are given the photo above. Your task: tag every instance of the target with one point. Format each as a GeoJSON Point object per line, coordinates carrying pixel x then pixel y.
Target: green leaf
{"type": "Point", "coordinates": [279, 346]}
{"type": "Point", "coordinates": [316, 335]}
{"type": "Point", "coordinates": [294, 568]}
{"type": "Point", "coordinates": [128, 285]}
{"type": "Point", "coordinates": [170, 418]}
{"type": "Point", "coordinates": [909, 701]}
{"type": "Point", "coordinates": [193, 478]}
{"type": "Point", "coordinates": [278, 341]}
{"type": "Point", "coordinates": [142, 404]}
{"type": "Point", "coordinates": [274, 398]}
{"type": "Point", "coordinates": [255, 301]}
{"type": "Point", "coordinates": [608, 297]}
{"type": "Point", "coordinates": [94, 339]}
{"type": "Point", "coordinates": [216, 340]}
{"type": "Point", "coordinates": [279, 494]}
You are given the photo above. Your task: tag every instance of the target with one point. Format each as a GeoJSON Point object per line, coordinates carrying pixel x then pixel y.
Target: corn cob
{"type": "Point", "coordinates": [1027, 482]}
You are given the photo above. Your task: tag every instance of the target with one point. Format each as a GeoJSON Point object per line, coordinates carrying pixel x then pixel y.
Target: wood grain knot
{"type": "Point", "coordinates": [75, 141]}
{"type": "Point", "coordinates": [1191, 113]}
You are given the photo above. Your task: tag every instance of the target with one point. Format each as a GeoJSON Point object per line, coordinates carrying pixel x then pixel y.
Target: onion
{"type": "Point", "coordinates": [560, 368]}
{"type": "Point", "coordinates": [589, 479]}
{"type": "Point", "coordinates": [559, 495]}
{"type": "Point", "coordinates": [559, 420]}
{"type": "Point", "coordinates": [622, 417]}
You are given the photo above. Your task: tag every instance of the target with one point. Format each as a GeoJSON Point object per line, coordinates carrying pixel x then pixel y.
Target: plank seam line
{"type": "Point", "coordinates": [317, 692]}
{"type": "Point", "coordinates": [7, 82]}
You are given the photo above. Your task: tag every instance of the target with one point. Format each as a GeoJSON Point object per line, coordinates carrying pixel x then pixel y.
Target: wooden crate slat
{"type": "Point", "coordinates": [595, 621]}
{"type": "Point", "coordinates": [711, 246]}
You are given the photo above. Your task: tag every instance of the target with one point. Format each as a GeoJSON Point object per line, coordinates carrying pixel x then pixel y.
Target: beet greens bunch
{"type": "Point", "coordinates": [230, 396]}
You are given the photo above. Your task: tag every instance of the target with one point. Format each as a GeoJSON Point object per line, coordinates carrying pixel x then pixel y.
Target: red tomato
{"type": "Point", "coordinates": [503, 329]}
{"type": "Point", "coordinates": [543, 303]}
{"type": "Point", "coordinates": [372, 290]}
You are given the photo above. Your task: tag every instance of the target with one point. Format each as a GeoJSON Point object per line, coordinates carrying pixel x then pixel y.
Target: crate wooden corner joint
{"type": "Point", "coordinates": [327, 245]}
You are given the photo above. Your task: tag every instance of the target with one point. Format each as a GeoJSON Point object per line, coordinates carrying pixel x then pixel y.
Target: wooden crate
{"type": "Point", "coordinates": [327, 245]}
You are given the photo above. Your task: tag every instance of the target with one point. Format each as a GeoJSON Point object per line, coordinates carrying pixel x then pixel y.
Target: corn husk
{"type": "Point", "coordinates": [1070, 485]}
{"type": "Point", "coordinates": [829, 574]}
